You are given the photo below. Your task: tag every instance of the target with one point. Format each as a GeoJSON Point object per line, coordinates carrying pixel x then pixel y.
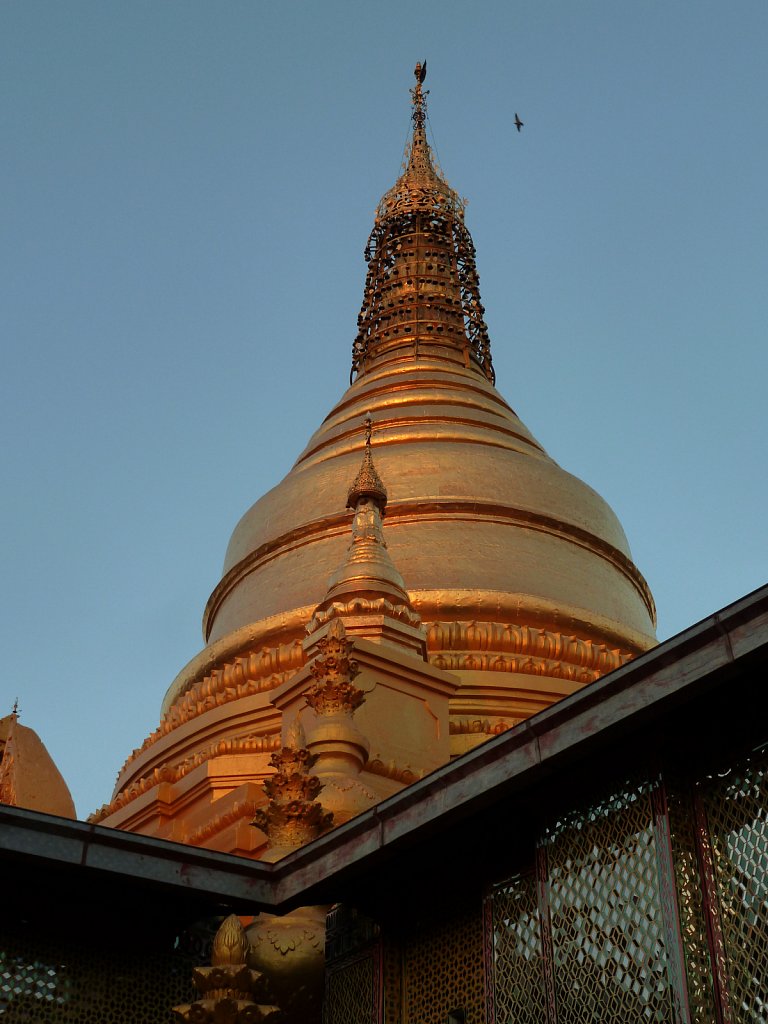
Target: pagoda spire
{"type": "Point", "coordinates": [422, 289]}
{"type": "Point", "coordinates": [367, 592]}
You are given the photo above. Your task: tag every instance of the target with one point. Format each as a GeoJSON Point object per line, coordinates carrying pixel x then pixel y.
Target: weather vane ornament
{"type": "Point", "coordinates": [419, 106]}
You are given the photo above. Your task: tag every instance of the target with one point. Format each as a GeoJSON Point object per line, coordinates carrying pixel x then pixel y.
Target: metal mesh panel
{"type": "Point", "coordinates": [65, 982]}
{"type": "Point", "coordinates": [610, 959]}
{"type": "Point", "coordinates": [517, 969]}
{"type": "Point", "coordinates": [351, 991]}
{"type": "Point", "coordinates": [444, 971]}
{"type": "Point", "coordinates": [737, 815]}
{"type": "Point", "coordinates": [392, 970]}
{"type": "Point", "coordinates": [693, 927]}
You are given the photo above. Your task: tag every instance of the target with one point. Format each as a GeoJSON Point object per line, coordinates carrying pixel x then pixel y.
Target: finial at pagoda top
{"type": "Point", "coordinates": [367, 483]}
{"type": "Point", "coordinates": [15, 709]}
{"type": "Point", "coordinates": [419, 99]}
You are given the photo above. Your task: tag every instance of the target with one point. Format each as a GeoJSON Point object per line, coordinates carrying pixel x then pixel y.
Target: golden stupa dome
{"type": "Point", "coordinates": [517, 573]}
{"type": "Point", "coordinates": [490, 535]}
{"type": "Point", "coordinates": [481, 522]}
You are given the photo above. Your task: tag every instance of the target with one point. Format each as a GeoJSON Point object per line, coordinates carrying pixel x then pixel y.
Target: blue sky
{"type": "Point", "coordinates": [187, 189]}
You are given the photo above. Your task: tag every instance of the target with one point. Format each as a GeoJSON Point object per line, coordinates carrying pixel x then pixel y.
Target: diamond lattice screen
{"type": "Point", "coordinates": [444, 971]}
{"type": "Point", "coordinates": [607, 929]}
{"type": "Point", "coordinates": [43, 981]}
{"type": "Point", "coordinates": [351, 992]}
{"type": "Point", "coordinates": [517, 967]}
{"type": "Point", "coordinates": [737, 816]}
{"type": "Point", "coordinates": [693, 925]}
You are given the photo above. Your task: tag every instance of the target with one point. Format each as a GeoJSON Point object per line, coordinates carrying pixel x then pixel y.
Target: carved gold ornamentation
{"type": "Point", "coordinates": [367, 483]}
{"type": "Point", "coordinates": [339, 748]}
{"type": "Point", "coordinates": [364, 606]}
{"type": "Point", "coordinates": [228, 987]}
{"type": "Point", "coordinates": [486, 726]}
{"type": "Point", "coordinates": [487, 646]}
{"type": "Point", "coordinates": [293, 817]}
{"type": "Point", "coordinates": [453, 646]}
{"type": "Point", "coordinates": [333, 669]}
{"type": "Point", "coordinates": [289, 950]}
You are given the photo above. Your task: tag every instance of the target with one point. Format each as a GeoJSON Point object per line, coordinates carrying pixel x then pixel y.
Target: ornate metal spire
{"type": "Point", "coordinates": [421, 291]}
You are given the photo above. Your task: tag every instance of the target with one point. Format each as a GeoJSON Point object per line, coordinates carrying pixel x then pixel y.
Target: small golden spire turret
{"type": "Point", "coordinates": [367, 591]}
{"type": "Point", "coordinates": [421, 292]}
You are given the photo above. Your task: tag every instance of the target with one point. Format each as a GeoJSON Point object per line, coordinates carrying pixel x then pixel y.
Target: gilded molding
{"type": "Point", "coordinates": [365, 606]}
{"type": "Point", "coordinates": [444, 507]}
{"type": "Point", "coordinates": [241, 809]}
{"type": "Point", "coordinates": [174, 773]}
{"type": "Point", "coordinates": [253, 672]}
{"type": "Point", "coordinates": [483, 726]}
{"type": "Point", "coordinates": [453, 646]}
{"type": "Point", "coordinates": [390, 770]}
{"type": "Point", "coordinates": [488, 646]}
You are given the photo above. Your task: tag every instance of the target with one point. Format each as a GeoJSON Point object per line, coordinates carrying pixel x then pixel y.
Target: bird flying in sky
{"type": "Point", "coordinates": [518, 122]}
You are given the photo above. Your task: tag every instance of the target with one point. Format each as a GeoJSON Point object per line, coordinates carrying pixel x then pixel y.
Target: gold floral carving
{"type": "Point", "coordinates": [174, 773]}
{"type": "Point", "coordinates": [228, 987]}
{"type": "Point", "coordinates": [293, 817]}
{"type": "Point", "coordinates": [333, 670]}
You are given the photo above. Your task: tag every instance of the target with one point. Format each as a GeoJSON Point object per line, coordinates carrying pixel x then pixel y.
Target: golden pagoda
{"type": "Point", "coordinates": [28, 775]}
{"type": "Point", "coordinates": [479, 586]}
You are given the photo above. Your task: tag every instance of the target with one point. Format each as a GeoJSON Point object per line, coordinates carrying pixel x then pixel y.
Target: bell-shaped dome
{"type": "Point", "coordinates": [490, 535]}
{"type": "Point", "coordinates": [518, 573]}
